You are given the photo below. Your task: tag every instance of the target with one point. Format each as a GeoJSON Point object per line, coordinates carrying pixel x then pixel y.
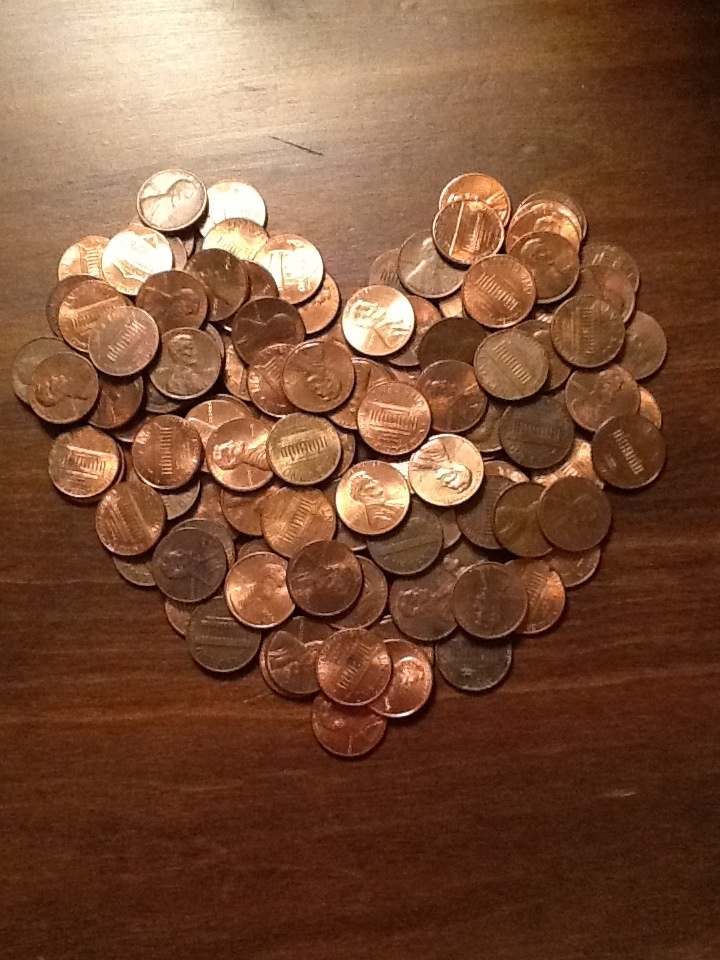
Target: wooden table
{"type": "Point", "coordinates": [149, 812]}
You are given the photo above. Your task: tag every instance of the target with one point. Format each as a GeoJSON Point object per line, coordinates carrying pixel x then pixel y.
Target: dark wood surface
{"type": "Point", "coordinates": [149, 812]}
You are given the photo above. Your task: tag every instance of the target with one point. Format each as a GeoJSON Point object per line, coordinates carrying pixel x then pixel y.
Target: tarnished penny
{"type": "Point", "coordinates": [574, 567]}
{"type": "Point", "coordinates": [451, 389]}
{"type": "Point", "coordinates": [484, 436]}
{"type": "Point", "coordinates": [166, 452]}
{"type": "Point", "coordinates": [511, 365]}
{"type": "Point", "coordinates": [216, 641]}
{"type": "Point", "coordinates": [372, 497]}
{"type": "Point", "coordinates": [545, 593]}
{"type": "Point", "coordinates": [446, 471]}
{"type": "Point", "coordinates": [84, 463]}
{"type": "Point", "coordinates": [587, 332]}
{"type": "Point", "coordinates": [476, 517]}
{"type": "Point", "coordinates": [574, 514]}
{"type": "Point", "coordinates": [370, 605]}
{"type": "Point", "coordinates": [291, 654]}
{"type": "Point", "coordinates": [189, 564]}
{"type": "Point", "coordinates": [135, 570]}
{"type": "Point", "coordinates": [303, 450]}
{"type": "Point", "coordinates": [82, 307]}
{"type": "Point", "coordinates": [645, 346]}
{"type": "Point", "coordinates": [455, 338]}
{"type": "Point", "coordinates": [353, 667]}
{"type": "Point", "coordinates": [171, 200]}
{"type": "Point", "coordinates": [516, 522]}
{"type": "Point", "coordinates": [423, 271]}
{"type": "Point", "coordinates": [536, 434]}
{"type": "Point", "coordinates": [130, 519]}
{"type": "Point", "coordinates": [118, 401]}
{"type": "Point", "coordinates": [394, 418]}
{"type": "Point", "coordinates": [472, 665]}
{"type": "Point", "coordinates": [263, 323]}
{"type": "Point", "coordinates": [264, 380]}
{"type": "Point", "coordinates": [123, 342]}
{"type": "Point", "coordinates": [410, 684]}
{"type": "Point", "coordinates": [501, 468]}
{"type": "Point", "coordinates": [324, 578]}
{"type": "Point", "coordinates": [228, 199]}
{"type": "Point", "coordinates": [235, 373]}
{"type": "Point", "coordinates": [256, 591]}
{"type": "Point", "coordinates": [558, 370]}
{"type": "Point", "coordinates": [320, 310]}
{"type": "Point", "coordinates": [610, 285]}
{"type": "Point", "coordinates": [627, 452]}
{"type": "Point", "coordinates": [132, 256]}
{"type": "Point", "coordinates": [293, 518]}
{"type": "Point", "coordinates": [421, 606]}
{"type": "Point", "coordinates": [465, 231]}
{"type": "Point", "coordinates": [29, 357]}
{"type": "Point", "coordinates": [174, 299]}
{"type": "Point", "coordinates": [477, 186]}
{"type": "Point", "coordinates": [178, 614]}
{"type": "Point", "coordinates": [578, 463]}
{"type": "Point", "coordinates": [83, 258]}
{"type": "Point", "coordinates": [552, 261]}
{"type": "Point", "coordinates": [243, 238]}
{"type": "Point", "coordinates": [650, 408]}
{"type": "Point", "coordinates": [188, 364]}
{"type": "Point", "coordinates": [295, 264]}
{"type": "Point", "coordinates": [367, 374]}
{"type": "Point", "coordinates": [594, 396]}
{"type": "Point", "coordinates": [498, 291]}
{"type": "Point", "coordinates": [489, 601]}
{"type": "Point", "coordinates": [601, 253]}
{"type": "Point", "coordinates": [318, 376]}
{"type": "Point", "coordinates": [236, 454]}
{"type": "Point", "coordinates": [225, 280]}
{"type": "Point", "coordinates": [57, 295]}
{"type": "Point", "coordinates": [244, 510]}
{"type": "Point", "coordinates": [378, 320]}
{"type": "Point", "coordinates": [346, 731]}
{"type": "Point", "coordinates": [412, 547]}
{"type": "Point", "coordinates": [63, 388]}
{"type": "Point", "coordinates": [181, 501]}
{"type": "Point", "coordinates": [384, 270]}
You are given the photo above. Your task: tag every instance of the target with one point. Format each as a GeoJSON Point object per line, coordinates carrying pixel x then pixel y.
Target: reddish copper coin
{"type": "Point", "coordinates": [130, 518]}
{"type": "Point", "coordinates": [324, 578]}
{"type": "Point", "coordinates": [132, 256]}
{"type": "Point", "coordinates": [446, 471]}
{"type": "Point", "coordinates": [263, 323]}
{"type": "Point", "coordinates": [178, 614]}
{"type": "Point", "coordinates": [118, 401]}
{"type": "Point", "coordinates": [610, 285]}
{"type": "Point", "coordinates": [188, 365]}
{"type": "Point", "coordinates": [627, 452]}
{"type": "Point", "coordinates": [572, 207]}
{"type": "Point", "coordinates": [594, 396]}
{"type": "Point", "coordinates": [536, 434]}
{"type": "Point", "coordinates": [587, 332]}
{"type": "Point", "coordinates": [62, 388]}
{"type": "Point", "coordinates": [489, 601]}
{"type": "Point", "coordinates": [601, 253]}
{"type": "Point", "coordinates": [320, 310]}
{"type": "Point", "coordinates": [293, 518]}
{"type": "Point", "coordinates": [291, 654]}
{"type": "Point", "coordinates": [123, 342]}
{"type": "Point", "coordinates": [558, 370]}
{"type": "Point", "coordinates": [83, 258]}
{"type": "Point", "coordinates": [477, 186]}
{"type": "Point", "coordinates": [264, 381]}
{"type": "Point", "coordinates": [174, 299]}
{"type": "Point", "coordinates": [574, 568]}
{"type": "Point", "coordinates": [650, 408]}
{"type": "Point", "coordinates": [511, 365]}
{"type": "Point", "coordinates": [318, 376]}
{"type": "Point", "coordinates": [574, 514]}
{"type": "Point", "coordinates": [84, 463]}
{"type": "Point", "coordinates": [411, 682]}
{"type": "Point", "coordinates": [465, 231]}
{"type": "Point", "coordinates": [295, 264]}
{"type": "Point", "coordinates": [237, 456]}
{"type": "Point", "coordinates": [171, 200]}
{"type": "Point", "coordinates": [243, 510]}
{"type": "Point", "coordinates": [256, 591]}
{"type": "Point", "coordinates": [476, 518]}
{"type": "Point", "coordinates": [553, 262]}
{"type": "Point", "coordinates": [135, 570]}
{"type": "Point", "coordinates": [421, 606]}
{"type": "Point", "coordinates": [645, 346]}
{"type": "Point", "coordinates": [578, 463]}
{"type": "Point", "coordinates": [242, 238]}
{"type": "Point", "coordinates": [516, 523]}
{"type": "Point", "coordinates": [367, 374]}
{"type": "Point", "coordinates": [57, 295]}
{"type": "Point", "coordinates": [346, 731]}
{"type": "Point", "coordinates": [235, 373]}
{"type": "Point", "coordinates": [455, 398]}
{"type": "Point", "coordinates": [28, 358]}
{"type": "Point", "coordinates": [423, 271]}
{"type": "Point", "coordinates": [225, 281]}
{"type": "Point", "coordinates": [544, 216]}
{"type": "Point", "coordinates": [208, 415]}
{"type": "Point", "coordinates": [384, 270]}
{"type": "Point", "coordinates": [82, 307]}
{"type": "Point", "coordinates": [498, 291]}
{"type": "Point", "coordinates": [166, 452]}
{"type": "Point", "coordinates": [545, 593]}
{"type": "Point", "coordinates": [372, 497]}
{"type": "Point", "coordinates": [370, 605]}
{"type": "Point", "coordinates": [353, 667]}
{"type": "Point", "coordinates": [501, 468]}
{"type": "Point", "coordinates": [394, 418]}
{"type": "Point", "coordinates": [303, 450]}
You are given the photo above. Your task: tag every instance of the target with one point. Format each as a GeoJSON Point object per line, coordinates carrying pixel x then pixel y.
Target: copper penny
{"type": "Point", "coordinates": [82, 307]}
{"type": "Point", "coordinates": [174, 299]}
{"type": "Point", "coordinates": [346, 731]}
{"type": "Point", "coordinates": [650, 408]}
{"type": "Point", "coordinates": [489, 601]}
{"type": "Point", "coordinates": [544, 216]}
{"type": "Point", "coordinates": [130, 519]}
{"type": "Point", "coordinates": [511, 365]}
{"type": "Point", "coordinates": [244, 510]}
{"type": "Point", "coordinates": [236, 453]}
{"type": "Point", "coordinates": [189, 564]}
{"type": "Point", "coordinates": [63, 388]}
{"type": "Point", "coordinates": [498, 291]}
{"type": "Point", "coordinates": [353, 667]}
{"type": "Point", "coordinates": [463, 556]}
{"type": "Point", "coordinates": [208, 415]}
{"type": "Point", "coordinates": [553, 262]}
{"type": "Point", "coordinates": [446, 471]}
{"type": "Point", "coordinates": [587, 332]}
{"type": "Point", "coordinates": [235, 373]}
{"type": "Point", "coordinates": [645, 346]}
{"type": "Point", "coordinates": [609, 285]}
{"type": "Point", "coordinates": [84, 463]}
{"type": "Point", "coordinates": [574, 567]}
{"type": "Point", "coordinates": [372, 497]}
{"type": "Point", "coordinates": [484, 436]}
{"type": "Point", "coordinates": [412, 547]}
{"type": "Point", "coordinates": [501, 468]}
{"type": "Point", "coordinates": [378, 320]}
{"type": "Point", "coordinates": [318, 376]}
{"type": "Point", "coordinates": [178, 614]}
{"type": "Point", "coordinates": [558, 370]}
{"type": "Point", "coordinates": [179, 253]}
{"type": "Point", "coordinates": [83, 258]}
{"type": "Point", "coordinates": [393, 418]}
{"type": "Point", "coordinates": [455, 338]}
{"type": "Point", "coordinates": [451, 389]}
{"type": "Point", "coordinates": [264, 322]}
{"type": "Point", "coordinates": [293, 518]}
{"type": "Point", "coordinates": [156, 402]}
{"type": "Point", "coordinates": [188, 364]}
{"type": "Point", "coordinates": [627, 452]}
{"type": "Point", "coordinates": [465, 231]}
{"type": "Point", "coordinates": [118, 401]}
{"type": "Point", "coordinates": [181, 501]}
{"type": "Point", "coordinates": [478, 186]}
{"type": "Point", "coordinates": [295, 264]}
{"type": "Point", "coordinates": [425, 316]}
{"type": "Point", "coordinates": [291, 654]}
{"type": "Point", "coordinates": [135, 570]}
{"type": "Point", "coordinates": [303, 450]}
{"type": "Point", "coordinates": [249, 549]}
{"type": "Point", "coordinates": [555, 196]}
{"type": "Point", "coordinates": [171, 200]}
{"type": "Point", "coordinates": [384, 270]}
{"type": "Point", "coordinates": [324, 578]}
{"type": "Point", "coordinates": [216, 641]}
{"type": "Point", "coordinates": [410, 684]}
{"type": "Point", "coordinates": [423, 271]}
{"type": "Point", "coordinates": [264, 380]}
{"type": "Point", "coordinates": [28, 358]}
{"type": "Point", "coordinates": [545, 593]}
{"type": "Point", "coordinates": [578, 463]}
{"type": "Point", "coordinates": [472, 666]}
{"type": "Point", "coordinates": [594, 396]}
{"type": "Point", "coordinates": [370, 605]}
{"type": "Point", "coordinates": [516, 520]}
{"type": "Point", "coordinates": [421, 606]}
{"type": "Point", "coordinates": [230, 199]}
{"type": "Point", "coordinates": [242, 238]}
{"type": "Point", "coordinates": [476, 517]}
{"type": "Point", "coordinates": [600, 253]}
{"type": "Point", "coordinates": [123, 342]}
{"type": "Point", "coordinates": [574, 514]}
{"type": "Point", "coordinates": [537, 434]}
{"type": "Point", "coordinates": [225, 281]}
{"type": "Point", "coordinates": [367, 374]}
{"type": "Point", "coordinates": [262, 283]}
{"type": "Point", "coordinates": [320, 310]}
{"type": "Point", "coordinates": [166, 452]}
{"type": "Point", "coordinates": [132, 256]}
{"type": "Point", "coordinates": [57, 295]}
{"type": "Point", "coordinates": [451, 306]}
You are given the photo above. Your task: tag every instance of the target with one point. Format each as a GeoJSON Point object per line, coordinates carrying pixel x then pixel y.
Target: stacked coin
{"type": "Point", "coordinates": [351, 497]}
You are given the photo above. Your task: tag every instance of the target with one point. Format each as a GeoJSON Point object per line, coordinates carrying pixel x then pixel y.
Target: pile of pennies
{"type": "Point", "coordinates": [355, 496]}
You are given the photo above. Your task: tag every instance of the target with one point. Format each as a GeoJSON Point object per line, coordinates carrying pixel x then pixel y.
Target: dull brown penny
{"type": "Point", "coordinates": [133, 255]}
{"type": "Point", "coordinates": [498, 291]}
{"type": "Point", "coordinates": [394, 418]}
{"type": "Point", "coordinates": [455, 398]}
{"type": "Point", "coordinates": [63, 388]}
{"type": "Point", "coordinates": [410, 684]}
{"type": "Point", "coordinates": [587, 332]}
{"type": "Point", "coordinates": [645, 346]}
{"type": "Point", "coordinates": [421, 606]}
{"type": "Point", "coordinates": [134, 570]}
{"type": "Point", "coordinates": [455, 338]}
{"type": "Point", "coordinates": [225, 280]}
{"type": "Point", "coordinates": [265, 322]}
{"type": "Point", "coordinates": [118, 401]}
{"type": "Point", "coordinates": [594, 396]}
{"type": "Point", "coordinates": [446, 471]}
{"type": "Point", "coordinates": [353, 667]}
{"type": "Point", "coordinates": [627, 452]}
{"type": "Point", "coordinates": [303, 449]}
{"type": "Point", "coordinates": [372, 497]}
{"type": "Point", "coordinates": [476, 517]}
{"type": "Point", "coordinates": [574, 514]}
{"type": "Point", "coordinates": [291, 653]}
{"type": "Point", "coordinates": [370, 605]}
{"type": "Point", "coordinates": [235, 373]}
{"type": "Point", "coordinates": [471, 665]}
{"type": "Point", "coordinates": [426, 314]}
{"type": "Point", "coordinates": [189, 564]}
{"type": "Point", "coordinates": [166, 452]}
{"type": "Point", "coordinates": [489, 600]}
{"type": "Point", "coordinates": [602, 253]}
{"type": "Point", "coordinates": [536, 434]}
{"type": "Point", "coordinates": [57, 295]}
{"type": "Point", "coordinates": [346, 731]}
{"type": "Point", "coordinates": [130, 519]}
{"type": "Point", "coordinates": [423, 271]}
{"type": "Point", "coordinates": [324, 578]}
{"type": "Point", "coordinates": [574, 567]}
{"type": "Point", "coordinates": [217, 641]}
{"type": "Point", "coordinates": [28, 358]}
{"type": "Point", "coordinates": [236, 454]}
{"type": "Point", "coordinates": [465, 231]}
{"type": "Point", "coordinates": [318, 376]}
{"type": "Point", "coordinates": [84, 463]}
{"type": "Point", "coordinates": [485, 434]}
{"type": "Point", "coordinates": [384, 270]}
{"type": "Point", "coordinates": [516, 522]}
{"type": "Point", "coordinates": [413, 546]}
{"type": "Point", "coordinates": [511, 365]}
{"type": "Point", "coordinates": [264, 381]}
{"type": "Point", "coordinates": [545, 594]}
{"type": "Point", "coordinates": [610, 285]}
{"type": "Point", "coordinates": [293, 518]}
{"type": "Point", "coordinates": [174, 299]}
{"type": "Point", "coordinates": [188, 364]}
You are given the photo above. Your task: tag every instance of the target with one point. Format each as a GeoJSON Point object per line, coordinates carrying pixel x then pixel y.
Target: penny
{"type": "Point", "coordinates": [645, 346]}
{"type": "Point", "coordinates": [451, 306]}
{"type": "Point", "coordinates": [133, 255]}
{"type": "Point", "coordinates": [421, 606]}
{"type": "Point", "coordinates": [178, 614]}
{"type": "Point", "coordinates": [554, 196]}
{"type": "Point", "coordinates": [423, 271]}
{"type": "Point", "coordinates": [295, 264]}
{"type": "Point", "coordinates": [367, 374]}
{"type": "Point", "coordinates": [236, 454]}
{"type": "Point", "coordinates": [231, 199]}
{"type": "Point", "coordinates": [166, 452]}
{"type": "Point", "coordinates": [130, 519]}
{"type": "Point", "coordinates": [472, 666]}
{"type": "Point", "coordinates": [477, 186]}
{"type": "Point", "coordinates": [189, 564]}
{"type": "Point", "coordinates": [62, 388]}
{"type": "Point", "coordinates": [372, 497]}
{"type": "Point", "coordinates": [57, 295]}
{"type": "Point", "coordinates": [257, 545]}
{"type": "Point", "coordinates": [84, 463]}
{"type": "Point", "coordinates": [320, 310]}
{"type": "Point", "coordinates": [318, 376]}
{"type": "Point", "coordinates": [484, 436]}
{"type": "Point", "coordinates": [346, 731]}
{"type": "Point", "coordinates": [135, 570]}
{"type": "Point", "coordinates": [216, 641]}
{"type": "Point", "coordinates": [587, 332]}
{"type": "Point", "coordinates": [545, 593]}
{"type": "Point", "coordinates": [649, 408]}
{"type": "Point", "coordinates": [179, 502]}
{"type": "Point", "coordinates": [516, 520]}
{"type": "Point", "coordinates": [489, 600]}
{"type": "Point", "coordinates": [127, 433]}
{"type": "Point", "coordinates": [28, 358]}
{"type": "Point", "coordinates": [264, 380]}
{"type": "Point", "coordinates": [574, 567]}
{"type": "Point", "coordinates": [263, 323]}
{"type": "Point", "coordinates": [225, 280]}
{"type": "Point", "coordinates": [545, 216]}
{"type": "Point", "coordinates": [303, 450]}
{"type": "Point", "coordinates": [84, 306]}
{"type": "Point", "coordinates": [387, 629]}
{"type": "Point", "coordinates": [242, 238]}
{"type": "Point", "coordinates": [353, 667]}
{"type": "Point", "coordinates": [412, 547]}
{"type": "Point", "coordinates": [552, 261]}
{"type": "Point", "coordinates": [188, 364]}
{"type": "Point", "coordinates": [451, 389]}
{"type": "Point", "coordinates": [558, 370]}
{"type": "Point", "coordinates": [476, 517]}
{"type": "Point", "coordinates": [291, 654]}
{"type": "Point", "coordinates": [262, 283]}
{"type": "Point", "coordinates": [500, 468]}
{"type": "Point", "coordinates": [243, 510]}
{"type": "Point", "coordinates": [293, 518]}
{"type": "Point", "coordinates": [609, 285]}
{"type": "Point", "coordinates": [498, 291]}
{"type": "Point", "coordinates": [210, 414]}
{"type": "Point", "coordinates": [123, 342]}
{"type": "Point", "coordinates": [171, 200]}
{"type": "Point", "coordinates": [214, 529]}
{"type": "Point", "coordinates": [83, 258]}
{"type": "Point", "coordinates": [455, 338]}
{"type": "Point", "coordinates": [594, 396]}
{"type": "Point", "coordinates": [348, 447]}
{"type": "Point", "coordinates": [118, 401]}
{"type": "Point", "coordinates": [174, 299]}
{"type": "Point", "coordinates": [370, 605]}
{"type": "Point", "coordinates": [179, 253]}
{"type": "Point", "coordinates": [324, 578]}
{"type": "Point", "coordinates": [462, 556]}
{"type": "Point", "coordinates": [156, 402]}
{"type": "Point", "coordinates": [574, 514]}
{"type": "Point", "coordinates": [446, 471]}
{"type": "Point", "coordinates": [378, 320]}
{"type": "Point", "coordinates": [384, 270]}
{"type": "Point", "coordinates": [235, 373]}
{"type": "Point", "coordinates": [425, 316]}
{"type": "Point", "coordinates": [393, 418]}
{"type": "Point", "coordinates": [465, 231]}
{"type": "Point", "coordinates": [600, 253]}
{"type": "Point", "coordinates": [511, 365]}
{"type": "Point", "coordinates": [627, 452]}
{"type": "Point", "coordinates": [410, 684]}
{"type": "Point", "coordinates": [578, 463]}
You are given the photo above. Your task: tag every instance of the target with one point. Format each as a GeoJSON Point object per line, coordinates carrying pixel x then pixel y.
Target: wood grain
{"type": "Point", "coordinates": [573, 814]}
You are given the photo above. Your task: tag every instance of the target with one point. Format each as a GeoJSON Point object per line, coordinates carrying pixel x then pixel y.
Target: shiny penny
{"type": "Point", "coordinates": [627, 452]}
{"type": "Point", "coordinates": [366, 375]}
{"type": "Point", "coordinates": [237, 456]}
{"type": "Point", "coordinates": [171, 200]}
{"type": "Point", "coordinates": [264, 380]}
{"type": "Point", "coordinates": [242, 238]}
{"type": "Point", "coordinates": [295, 517]}
{"type": "Point", "coordinates": [426, 314]}
{"type": "Point", "coordinates": [353, 667]}
{"type": "Point", "coordinates": [82, 307]}
{"type": "Point", "coordinates": [123, 342]}
{"type": "Point", "coordinates": [263, 323]}
{"type": "Point", "coordinates": [545, 593]}
{"type": "Point", "coordinates": [394, 418]}
{"type": "Point", "coordinates": [446, 471]}
{"type": "Point", "coordinates": [243, 511]}
{"type": "Point", "coordinates": [372, 497]}
{"type": "Point", "coordinates": [188, 364]}
{"type": "Point", "coordinates": [130, 519]}
{"type": "Point", "coordinates": [318, 376]}
{"type": "Point", "coordinates": [465, 231]}
{"type": "Point", "coordinates": [552, 261]}
{"type": "Point", "coordinates": [295, 265]}
{"type": "Point", "coordinates": [320, 310]}
{"type": "Point", "coordinates": [132, 256]}
{"type": "Point", "coordinates": [477, 186]}
{"type": "Point", "coordinates": [594, 396]}
{"type": "Point", "coordinates": [378, 320]}
{"type": "Point", "coordinates": [303, 449]}
{"type": "Point", "coordinates": [498, 291]}
{"type": "Point", "coordinates": [516, 523]}
{"type": "Point", "coordinates": [174, 299]}
{"type": "Point", "coordinates": [230, 199]}
{"type": "Point", "coordinates": [410, 684]}
{"type": "Point", "coordinates": [84, 462]}
{"type": "Point", "coordinates": [83, 258]}
{"type": "Point", "coordinates": [346, 732]}
{"type": "Point", "coordinates": [166, 452]}
{"type": "Point", "coordinates": [256, 591]}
